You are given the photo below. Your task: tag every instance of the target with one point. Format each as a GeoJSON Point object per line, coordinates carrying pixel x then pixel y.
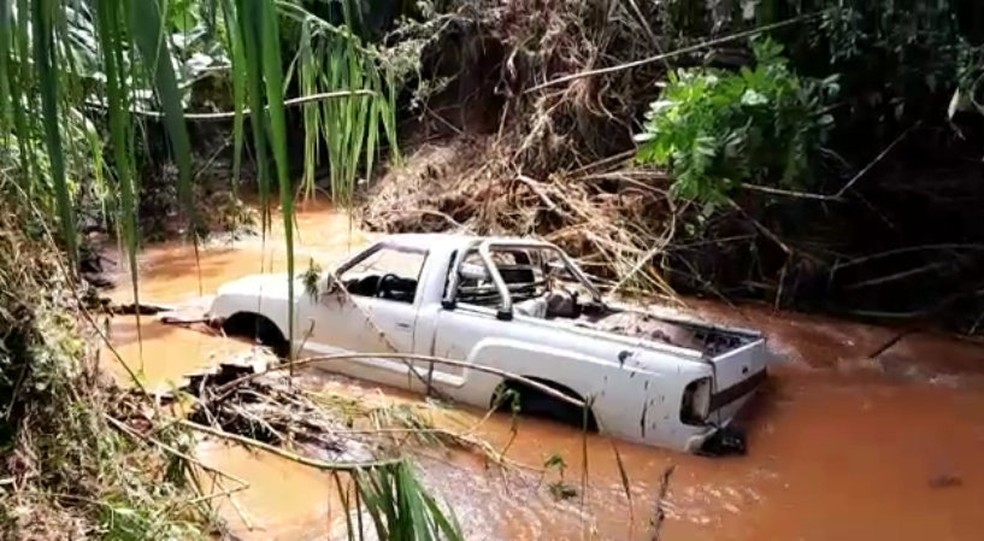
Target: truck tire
{"type": "Point", "coordinates": [258, 329]}
{"type": "Point", "coordinates": [535, 403]}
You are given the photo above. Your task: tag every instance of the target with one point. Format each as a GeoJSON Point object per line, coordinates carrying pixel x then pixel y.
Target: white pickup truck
{"type": "Point", "coordinates": [521, 306]}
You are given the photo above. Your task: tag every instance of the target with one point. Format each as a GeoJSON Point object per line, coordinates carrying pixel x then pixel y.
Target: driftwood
{"type": "Point", "coordinates": [659, 514]}
{"type": "Point", "coordinates": [275, 413]}
{"type": "Point", "coordinates": [131, 309]}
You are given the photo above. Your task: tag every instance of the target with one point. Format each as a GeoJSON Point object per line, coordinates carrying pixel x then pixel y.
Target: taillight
{"type": "Point", "coordinates": [696, 404]}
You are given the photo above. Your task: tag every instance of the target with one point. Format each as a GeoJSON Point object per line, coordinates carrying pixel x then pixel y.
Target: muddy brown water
{"type": "Point", "coordinates": [841, 446]}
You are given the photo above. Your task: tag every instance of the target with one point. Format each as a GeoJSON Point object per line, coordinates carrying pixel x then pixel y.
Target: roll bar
{"type": "Point", "coordinates": [485, 247]}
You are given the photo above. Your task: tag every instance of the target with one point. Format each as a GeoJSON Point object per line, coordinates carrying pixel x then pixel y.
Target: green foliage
{"type": "Point", "coordinates": [898, 59]}
{"type": "Point", "coordinates": [969, 94]}
{"type": "Point", "coordinates": [332, 56]}
{"type": "Point", "coordinates": [76, 475]}
{"type": "Point", "coordinates": [311, 278]}
{"type": "Point", "coordinates": [715, 129]}
{"type": "Point", "coordinates": [555, 462]}
{"type": "Point", "coordinates": [59, 59]}
{"type": "Point", "coordinates": [400, 508]}
{"type": "Point", "coordinates": [559, 489]}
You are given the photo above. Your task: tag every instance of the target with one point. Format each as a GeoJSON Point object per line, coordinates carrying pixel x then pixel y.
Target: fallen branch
{"type": "Point", "coordinates": [908, 249]}
{"type": "Point", "coordinates": [535, 187]}
{"type": "Point", "coordinates": [657, 247]}
{"type": "Point", "coordinates": [891, 343]}
{"type": "Point", "coordinates": [901, 275]}
{"type": "Point", "coordinates": [228, 115]}
{"type": "Point", "coordinates": [789, 193]}
{"type": "Point", "coordinates": [764, 230]}
{"type": "Point", "coordinates": [672, 54]}
{"type": "Point", "coordinates": [877, 159]}
{"type": "Point", "coordinates": [314, 463]}
{"type": "Point", "coordinates": [143, 309]}
{"type": "Point", "coordinates": [660, 515]}
{"type": "Point", "coordinates": [226, 389]}
{"type": "Point", "coordinates": [122, 427]}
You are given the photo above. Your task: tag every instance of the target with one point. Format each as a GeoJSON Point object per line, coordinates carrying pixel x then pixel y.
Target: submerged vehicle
{"type": "Point", "coordinates": [520, 307]}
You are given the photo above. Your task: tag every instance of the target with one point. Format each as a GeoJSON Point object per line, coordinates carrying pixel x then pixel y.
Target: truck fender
{"type": "Point", "coordinates": [258, 327]}
{"type": "Point", "coordinates": [535, 401]}
{"type": "Point", "coordinates": [552, 366]}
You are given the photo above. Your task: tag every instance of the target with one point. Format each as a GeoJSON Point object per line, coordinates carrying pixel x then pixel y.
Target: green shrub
{"type": "Point", "coordinates": [714, 129]}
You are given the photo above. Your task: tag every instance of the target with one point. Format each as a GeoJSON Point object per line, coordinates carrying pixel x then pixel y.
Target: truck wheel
{"type": "Point", "coordinates": [726, 441]}
{"type": "Point", "coordinates": [258, 329]}
{"type": "Point", "coordinates": [535, 403]}
{"type": "Point", "coordinates": [548, 407]}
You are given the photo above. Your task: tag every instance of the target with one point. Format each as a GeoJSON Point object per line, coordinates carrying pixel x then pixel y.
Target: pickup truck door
{"type": "Point", "coordinates": [366, 318]}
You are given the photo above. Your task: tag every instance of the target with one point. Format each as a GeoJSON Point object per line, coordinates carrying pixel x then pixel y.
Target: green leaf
{"type": "Point", "coordinates": [5, 46]}
{"type": "Point", "coordinates": [239, 83]}
{"type": "Point", "coordinates": [108, 16]}
{"type": "Point", "coordinates": [753, 98]}
{"type": "Point", "coordinates": [249, 31]}
{"type": "Point", "coordinates": [273, 76]}
{"type": "Point", "coordinates": [46, 63]}
{"type": "Point", "coordinates": [147, 29]}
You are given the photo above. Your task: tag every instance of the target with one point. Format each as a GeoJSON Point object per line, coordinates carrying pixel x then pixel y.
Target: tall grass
{"type": "Point", "coordinates": [334, 57]}
{"type": "Point", "coordinates": [47, 49]}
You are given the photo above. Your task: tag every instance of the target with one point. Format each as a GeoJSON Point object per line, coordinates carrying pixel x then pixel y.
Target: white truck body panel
{"type": "Point", "coordinates": [635, 386]}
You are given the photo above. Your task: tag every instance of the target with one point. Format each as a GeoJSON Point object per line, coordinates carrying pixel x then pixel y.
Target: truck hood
{"type": "Point", "coordinates": [259, 285]}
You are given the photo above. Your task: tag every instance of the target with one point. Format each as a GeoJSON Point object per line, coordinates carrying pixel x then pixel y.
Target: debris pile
{"type": "Point", "coordinates": [557, 164]}
{"type": "Point", "coordinates": [612, 218]}
{"type": "Point", "coordinates": [271, 408]}
{"type": "Point", "coordinates": [248, 399]}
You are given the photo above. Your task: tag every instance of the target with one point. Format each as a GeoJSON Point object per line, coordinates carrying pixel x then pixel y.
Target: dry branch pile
{"type": "Point", "coordinates": [558, 165]}
{"type": "Point", "coordinates": [278, 410]}
{"type": "Point", "coordinates": [251, 400]}
{"type": "Point", "coordinates": [613, 219]}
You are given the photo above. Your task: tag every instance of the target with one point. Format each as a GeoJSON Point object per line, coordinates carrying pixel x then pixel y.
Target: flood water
{"type": "Point", "coordinates": [841, 446]}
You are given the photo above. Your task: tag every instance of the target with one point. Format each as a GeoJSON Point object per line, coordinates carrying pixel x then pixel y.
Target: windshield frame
{"type": "Point", "coordinates": [485, 248]}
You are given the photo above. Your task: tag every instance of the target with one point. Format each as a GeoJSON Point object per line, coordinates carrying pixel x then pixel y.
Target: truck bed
{"type": "Point", "coordinates": [628, 322]}
{"type": "Point", "coordinates": [710, 340]}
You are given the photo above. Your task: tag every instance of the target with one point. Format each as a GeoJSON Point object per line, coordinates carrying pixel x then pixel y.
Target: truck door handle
{"type": "Point", "coordinates": [402, 325]}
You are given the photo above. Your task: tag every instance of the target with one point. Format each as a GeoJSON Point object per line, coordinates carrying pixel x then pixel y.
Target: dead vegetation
{"type": "Point", "coordinates": [568, 82]}
{"type": "Point", "coordinates": [558, 162]}
{"type": "Point", "coordinates": [610, 231]}
{"type": "Point", "coordinates": [255, 400]}
{"type": "Point", "coordinates": [249, 401]}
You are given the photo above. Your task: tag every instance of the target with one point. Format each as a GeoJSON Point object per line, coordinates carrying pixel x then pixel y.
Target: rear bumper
{"type": "Point", "coordinates": [725, 404]}
{"type": "Point", "coordinates": [726, 397]}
